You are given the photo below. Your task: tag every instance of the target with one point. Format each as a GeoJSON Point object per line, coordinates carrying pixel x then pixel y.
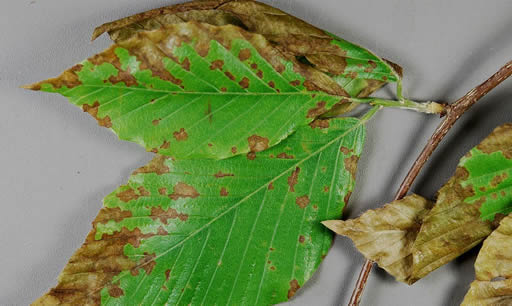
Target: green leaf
{"type": "Point", "coordinates": [230, 232]}
{"type": "Point", "coordinates": [488, 170]}
{"type": "Point", "coordinates": [493, 267]}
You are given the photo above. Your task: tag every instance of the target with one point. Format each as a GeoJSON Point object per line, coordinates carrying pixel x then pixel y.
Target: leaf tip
{"type": "Point", "coordinates": [331, 224]}
{"type": "Point", "coordinates": [35, 86]}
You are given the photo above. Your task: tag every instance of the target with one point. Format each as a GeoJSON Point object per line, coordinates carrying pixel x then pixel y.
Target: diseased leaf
{"type": "Point", "coordinates": [461, 218]}
{"type": "Point", "coordinates": [488, 168]}
{"type": "Point", "coordinates": [198, 91]}
{"type": "Point", "coordinates": [386, 235]}
{"type": "Point", "coordinates": [493, 267]}
{"type": "Point", "coordinates": [356, 69]}
{"type": "Point", "coordinates": [229, 232]}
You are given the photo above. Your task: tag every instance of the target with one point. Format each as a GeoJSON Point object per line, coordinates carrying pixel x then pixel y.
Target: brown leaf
{"type": "Point", "coordinates": [493, 267]}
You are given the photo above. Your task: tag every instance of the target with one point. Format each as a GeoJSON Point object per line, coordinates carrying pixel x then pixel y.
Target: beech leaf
{"type": "Point", "coordinates": [227, 232]}
{"type": "Point", "coordinates": [493, 267]}
{"type": "Point", "coordinates": [460, 219]}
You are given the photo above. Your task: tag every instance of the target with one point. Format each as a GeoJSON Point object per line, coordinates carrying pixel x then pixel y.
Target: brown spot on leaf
{"type": "Point", "coordinates": [165, 145]}
{"type": "Point", "coordinates": [257, 143]}
{"type": "Point", "coordinates": [272, 268]}
{"type": "Point", "coordinates": [294, 286]}
{"type": "Point", "coordinates": [251, 156]}
{"type": "Point", "coordinates": [498, 179]}
{"type": "Point", "coordinates": [156, 165]}
{"type": "Point", "coordinates": [224, 192]}
{"type": "Point", "coordinates": [223, 89]}
{"type": "Point", "coordinates": [302, 201]}
{"type": "Point", "coordinates": [302, 239]}
{"type": "Point", "coordinates": [154, 150]}
{"type": "Point", "coordinates": [345, 150]}
{"type": "Point", "coordinates": [115, 291]}
{"type": "Point", "coordinates": [259, 74]}
{"type": "Point", "coordinates": [317, 111]}
{"type": "Point", "coordinates": [156, 121]}
{"type": "Point", "coordinates": [182, 190]}
{"type": "Point", "coordinates": [165, 215]}
{"type": "Point", "coordinates": [352, 75]}
{"type": "Point", "coordinates": [93, 111]}
{"type": "Point", "coordinates": [244, 83]}
{"type": "Point", "coordinates": [295, 83]}
{"type": "Point", "coordinates": [272, 84]}
{"type": "Point", "coordinates": [351, 165]}
{"type": "Point", "coordinates": [143, 191]}
{"type": "Point", "coordinates": [326, 188]}
{"type": "Point", "coordinates": [244, 54]}
{"type": "Point", "coordinates": [127, 195]}
{"type": "Point", "coordinates": [254, 66]}
{"type": "Point", "coordinates": [293, 179]}
{"type": "Point", "coordinates": [167, 274]}
{"type": "Point", "coordinates": [217, 64]}
{"type": "Point", "coordinates": [148, 263]}
{"type": "Point", "coordinates": [221, 174]}
{"type": "Point", "coordinates": [285, 156]}
{"type": "Point", "coordinates": [319, 123]}
{"type": "Point", "coordinates": [181, 135]}
{"type": "Point", "coordinates": [186, 64]}
{"type": "Point", "coordinates": [230, 75]}
{"type": "Point", "coordinates": [233, 150]}
{"type": "Point", "coordinates": [271, 186]}
{"type": "Point", "coordinates": [161, 231]}
{"type": "Point", "coordinates": [162, 191]}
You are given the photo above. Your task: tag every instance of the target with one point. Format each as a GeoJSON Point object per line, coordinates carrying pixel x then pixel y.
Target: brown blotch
{"type": "Point", "coordinates": [230, 75]}
{"type": "Point", "coordinates": [148, 263]}
{"type": "Point", "coordinates": [320, 123]}
{"type": "Point", "coordinates": [317, 111]}
{"type": "Point", "coordinates": [259, 74]}
{"type": "Point", "coordinates": [302, 201]}
{"type": "Point", "coordinates": [143, 191]}
{"type": "Point", "coordinates": [285, 156]}
{"type": "Point", "coordinates": [224, 192]}
{"type": "Point", "coordinates": [182, 190]}
{"type": "Point", "coordinates": [294, 286]}
{"type": "Point", "coordinates": [181, 135]}
{"type": "Point", "coordinates": [165, 215]}
{"type": "Point", "coordinates": [345, 150]}
{"type": "Point", "coordinates": [233, 150]}
{"type": "Point", "coordinates": [254, 66]}
{"type": "Point", "coordinates": [221, 174]}
{"type": "Point", "coordinates": [93, 111]}
{"type": "Point", "coordinates": [244, 83]}
{"type": "Point", "coordinates": [165, 145]}
{"type": "Point", "coordinates": [351, 165]}
{"type": "Point", "coordinates": [293, 179]}
{"type": "Point", "coordinates": [498, 179]}
{"type": "Point", "coordinates": [115, 291]}
{"type": "Point", "coordinates": [302, 239]}
{"type": "Point", "coordinates": [295, 83]}
{"type": "Point", "coordinates": [271, 186]}
{"type": "Point", "coordinates": [272, 84]}
{"type": "Point", "coordinates": [251, 156]}
{"type": "Point", "coordinates": [217, 64]}
{"type": "Point", "coordinates": [156, 121]}
{"type": "Point", "coordinates": [257, 143]}
{"type": "Point", "coordinates": [186, 64]}
{"type": "Point", "coordinates": [156, 165]}
{"type": "Point", "coordinates": [127, 195]}
{"type": "Point", "coordinates": [244, 54]}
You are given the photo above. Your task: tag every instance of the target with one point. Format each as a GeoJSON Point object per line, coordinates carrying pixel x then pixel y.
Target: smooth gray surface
{"type": "Point", "coordinates": [57, 164]}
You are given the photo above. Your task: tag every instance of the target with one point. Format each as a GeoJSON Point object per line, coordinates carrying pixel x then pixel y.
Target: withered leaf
{"type": "Point", "coordinates": [194, 232]}
{"type": "Point", "coordinates": [493, 267]}
{"type": "Point", "coordinates": [386, 235]}
{"type": "Point", "coordinates": [461, 218]}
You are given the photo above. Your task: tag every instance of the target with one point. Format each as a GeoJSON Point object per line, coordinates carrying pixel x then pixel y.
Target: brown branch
{"type": "Point", "coordinates": [453, 113]}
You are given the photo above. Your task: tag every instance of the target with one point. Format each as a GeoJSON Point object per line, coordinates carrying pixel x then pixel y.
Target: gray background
{"type": "Point", "coordinates": [57, 164]}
